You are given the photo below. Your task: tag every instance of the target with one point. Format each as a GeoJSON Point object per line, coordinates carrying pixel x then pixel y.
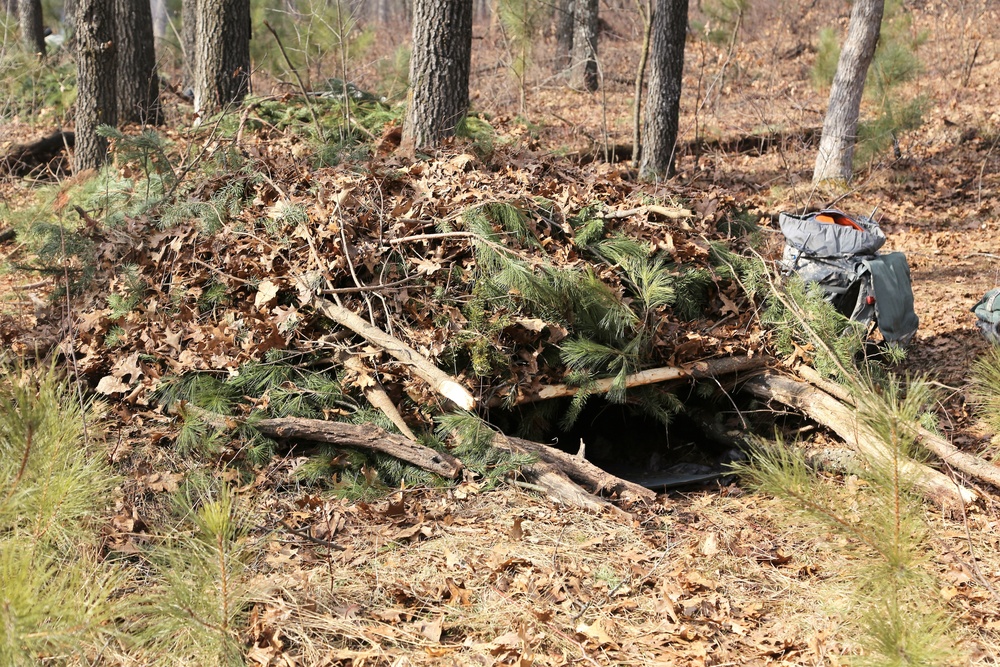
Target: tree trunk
{"type": "Point", "coordinates": [439, 70]}
{"type": "Point", "coordinates": [840, 129]}
{"type": "Point", "coordinates": [158, 9]}
{"type": "Point", "coordinates": [583, 72]}
{"type": "Point", "coordinates": [222, 54]}
{"type": "Point", "coordinates": [564, 33]}
{"type": "Point", "coordinates": [29, 14]}
{"type": "Point", "coordinates": [68, 21]}
{"type": "Point", "coordinates": [96, 103]}
{"type": "Point", "coordinates": [663, 101]}
{"type": "Point", "coordinates": [189, 27]}
{"type": "Point", "coordinates": [138, 81]}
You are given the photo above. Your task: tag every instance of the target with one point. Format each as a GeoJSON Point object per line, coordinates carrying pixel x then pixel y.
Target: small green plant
{"type": "Point", "coordinates": [196, 611]}
{"type": "Point", "coordinates": [134, 291]}
{"type": "Point", "coordinates": [57, 596]}
{"type": "Point", "coordinates": [478, 130]}
{"type": "Point", "coordinates": [520, 20]}
{"type": "Point", "coordinates": [985, 387]}
{"type": "Point", "coordinates": [37, 91]}
{"type": "Point", "coordinates": [896, 607]}
{"type": "Point", "coordinates": [723, 20]}
{"type": "Point", "coordinates": [474, 446]}
{"type": "Point", "coordinates": [801, 319]}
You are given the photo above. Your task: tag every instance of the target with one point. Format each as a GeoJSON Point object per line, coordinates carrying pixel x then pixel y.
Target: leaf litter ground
{"type": "Point", "coordinates": [477, 576]}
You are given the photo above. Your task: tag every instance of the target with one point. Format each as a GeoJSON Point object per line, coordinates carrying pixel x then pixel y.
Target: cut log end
{"type": "Point", "coordinates": [457, 394]}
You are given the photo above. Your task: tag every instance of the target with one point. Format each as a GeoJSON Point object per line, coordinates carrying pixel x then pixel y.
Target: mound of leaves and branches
{"type": "Point", "coordinates": [195, 268]}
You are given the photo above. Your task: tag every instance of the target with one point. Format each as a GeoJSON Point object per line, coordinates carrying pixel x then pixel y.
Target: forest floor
{"type": "Point", "coordinates": [714, 575]}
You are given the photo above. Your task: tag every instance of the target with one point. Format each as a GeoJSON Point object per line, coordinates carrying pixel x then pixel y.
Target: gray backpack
{"type": "Point", "coordinates": [988, 315]}
{"type": "Point", "coordinates": [840, 253]}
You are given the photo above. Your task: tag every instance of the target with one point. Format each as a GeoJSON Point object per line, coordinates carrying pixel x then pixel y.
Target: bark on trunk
{"type": "Point", "coordinates": [29, 13]}
{"type": "Point", "coordinates": [96, 102]}
{"type": "Point", "coordinates": [564, 33]}
{"type": "Point", "coordinates": [659, 135]}
{"type": "Point", "coordinates": [138, 81]}
{"type": "Point", "coordinates": [189, 29]}
{"type": "Point", "coordinates": [583, 72]}
{"type": "Point", "coordinates": [439, 70]}
{"type": "Point", "coordinates": [222, 47]}
{"type": "Point", "coordinates": [840, 128]}
{"type": "Point", "coordinates": [69, 23]}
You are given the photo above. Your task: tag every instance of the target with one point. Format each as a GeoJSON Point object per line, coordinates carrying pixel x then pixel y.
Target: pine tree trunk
{"type": "Point", "coordinates": [439, 70]}
{"type": "Point", "coordinates": [840, 128]}
{"type": "Point", "coordinates": [666, 60]}
{"type": "Point", "coordinates": [29, 13]}
{"type": "Point", "coordinates": [583, 75]}
{"type": "Point", "coordinates": [222, 54]}
{"type": "Point", "coordinates": [564, 33]}
{"type": "Point", "coordinates": [96, 102]}
{"type": "Point", "coordinates": [138, 81]}
{"type": "Point", "coordinates": [189, 28]}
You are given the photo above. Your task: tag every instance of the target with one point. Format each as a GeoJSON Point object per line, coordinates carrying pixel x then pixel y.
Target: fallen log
{"type": "Point", "coordinates": [366, 436]}
{"type": "Point", "coordinates": [969, 464]}
{"type": "Point", "coordinates": [553, 482]}
{"type": "Point", "coordinates": [843, 420]}
{"type": "Point", "coordinates": [560, 488]}
{"type": "Point", "coordinates": [22, 159]}
{"type": "Point", "coordinates": [699, 370]}
{"type": "Point", "coordinates": [578, 469]}
{"type": "Point", "coordinates": [442, 383]}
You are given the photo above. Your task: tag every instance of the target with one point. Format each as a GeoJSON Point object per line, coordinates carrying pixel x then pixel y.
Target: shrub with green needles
{"type": "Point", "coordinates": [57, 597]}
{"type": "Point", "coordinates": [196, 609]}
{"type": "Point", "coordinates": [898, 618]}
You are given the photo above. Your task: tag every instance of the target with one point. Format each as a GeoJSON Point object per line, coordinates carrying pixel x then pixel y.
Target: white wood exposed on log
{"type": "Point", "coordinates": [376, 394]}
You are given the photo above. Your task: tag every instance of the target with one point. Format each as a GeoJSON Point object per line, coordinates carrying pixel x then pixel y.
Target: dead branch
{"type": "Point", "coordinates": [376, 394]}
{"type": "Point", "coordinates": [969, 464]}
{"type": "Point", "coordinates": [826, 410]}
{"type": "Point", "coordinates": [560, 488]}
{"type": "Point", "coordinates": [671, 212]}
{"type": "Point", "coordinates": [367, 436]}
{"type": "Point", "coordinates": [578, 469]}
{"type": "Point", "coordinates": [699, 370]}
{"type": "Point", "coordinates": [442, 383]}
{"type": "Point", "coordinates": [554, 482]}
